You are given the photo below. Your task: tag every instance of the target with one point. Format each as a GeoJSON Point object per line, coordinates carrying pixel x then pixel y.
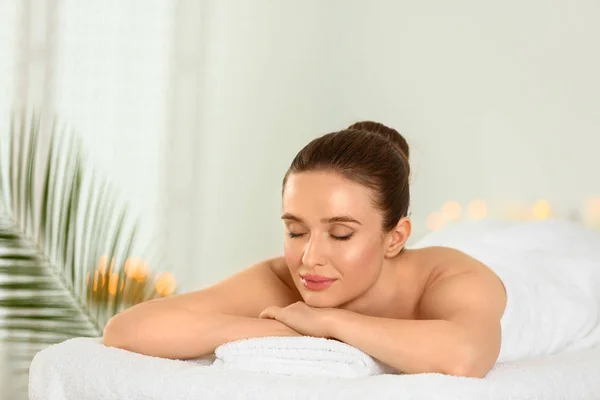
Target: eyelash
{"type": "Point", "coordinates": [340, 238]}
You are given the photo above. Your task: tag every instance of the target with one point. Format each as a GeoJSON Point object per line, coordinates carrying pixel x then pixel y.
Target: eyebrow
{"type": "Point", "coordinates": [340, 218]}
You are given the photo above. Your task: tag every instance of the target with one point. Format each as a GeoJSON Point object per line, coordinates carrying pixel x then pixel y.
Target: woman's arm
{"type": "Point", "coordinates": [179, 333]}
{"type": "Point", "coordinates": [458, 335]}
{"type": "Point", "coordinates": [193, 324]}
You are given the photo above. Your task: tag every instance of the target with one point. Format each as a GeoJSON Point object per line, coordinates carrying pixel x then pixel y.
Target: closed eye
{"type": "Point", "coordinates": [295, 235]}
{"type": "Point", "coordinates": [342, 237]}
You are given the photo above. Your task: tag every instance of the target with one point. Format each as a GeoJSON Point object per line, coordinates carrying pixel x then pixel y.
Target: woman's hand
{"type": "Point", "coordinates": [299, 316]}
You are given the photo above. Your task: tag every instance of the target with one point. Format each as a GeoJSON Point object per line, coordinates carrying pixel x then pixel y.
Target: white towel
{"type": "Point", "coordinates": [551, 271]}
{"type": "Point", "coordinates": [298, 356]}
{"type": "Point", "coordinates": [83, 369]}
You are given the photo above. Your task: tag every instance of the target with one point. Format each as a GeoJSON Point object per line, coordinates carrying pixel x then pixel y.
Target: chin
{"type": "Point", "coordinates": [321, 299]}
{"type": "Point", "coordinates": [319, 303]}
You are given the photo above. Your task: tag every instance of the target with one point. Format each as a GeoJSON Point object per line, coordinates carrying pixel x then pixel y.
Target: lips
{"type": "Point", "coordinates": [317, 282]}
{"type": "Point", "coordinates": [316, 278]}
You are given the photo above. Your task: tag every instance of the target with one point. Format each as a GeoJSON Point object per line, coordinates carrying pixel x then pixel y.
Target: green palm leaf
{"type": "Point", "coordinates": [64, 244]}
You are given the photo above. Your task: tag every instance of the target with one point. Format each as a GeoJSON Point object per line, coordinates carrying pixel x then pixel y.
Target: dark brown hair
{"type": "Point", "coordinates": [370, 154]}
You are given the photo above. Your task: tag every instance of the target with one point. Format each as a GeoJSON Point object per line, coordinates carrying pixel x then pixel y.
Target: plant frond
{"type": "Point", "coordinates": [66, 243]}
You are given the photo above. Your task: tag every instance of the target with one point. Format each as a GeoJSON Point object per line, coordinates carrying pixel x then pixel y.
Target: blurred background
{"type": "Point", "coordinates": [193, 110]}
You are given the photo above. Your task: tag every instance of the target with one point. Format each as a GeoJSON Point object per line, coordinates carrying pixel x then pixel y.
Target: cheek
{"type": "Point", "coordinates": [292, 253]}
{"type": "Point", "coordinates": [359, 258]}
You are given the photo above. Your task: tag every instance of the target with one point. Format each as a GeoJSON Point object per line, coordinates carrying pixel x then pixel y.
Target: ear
{"type": "Point", "coordinates": [396, 239]}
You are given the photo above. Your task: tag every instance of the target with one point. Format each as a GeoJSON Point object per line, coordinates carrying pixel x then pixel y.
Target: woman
{"type": "Point", "coordinates": [345, 274]}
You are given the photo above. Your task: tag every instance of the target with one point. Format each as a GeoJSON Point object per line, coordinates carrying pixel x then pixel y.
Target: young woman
{"type": "Point", "coordinates": [345, 274]}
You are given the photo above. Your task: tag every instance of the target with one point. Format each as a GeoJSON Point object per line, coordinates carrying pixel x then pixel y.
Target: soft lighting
{"type": "Point", "coordinates": [165, 284]}
{"type": "Point", "coordinates": [541, 210]}
{"type": "Point", "coordinates": [451, 210]}
{"type": "Point", "coordinates": [131, 265]}
{"type": "Point", "coordinates": [95, 280]}
{"type": "Point", "coordinates": [477, 209]}
{"type": "Point", "coordinates": [113, 282]}
{"type": "Point", "coordinates": [135, 282]}
{"type": "Point", "coordinates": [102, 264]}
{"type": "Point", "coordinates": [435, 221]}
{"type": "Point", "coordinates": [143, 272]}
{"type": "Point", "coordinates": [592, 208]}
{"type": "Point", "coordinates": [136, 269]}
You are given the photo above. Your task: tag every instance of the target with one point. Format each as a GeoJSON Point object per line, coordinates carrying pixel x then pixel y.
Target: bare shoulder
{"type": "Point", "coordinates": [280, 269]}
{"type": "Point", "coordinates": [457, 282]}
{"type": "Point", "coordinates": [245, 293]}
{"type": "Point", "coordinates": [471, 297]}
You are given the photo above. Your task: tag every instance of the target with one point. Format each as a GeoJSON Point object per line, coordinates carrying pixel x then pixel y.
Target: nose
{"type": "Point", "coordinates": [314, 253]}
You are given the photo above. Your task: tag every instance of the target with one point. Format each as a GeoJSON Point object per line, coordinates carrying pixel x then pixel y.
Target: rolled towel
{"type": "Point", "coordinates": [298, 356]}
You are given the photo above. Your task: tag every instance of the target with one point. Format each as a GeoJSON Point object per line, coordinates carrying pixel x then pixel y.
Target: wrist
{"type": "Point", "coordinates": [280, 329]}
{"type": "Point", "coordinates": [332, 319]}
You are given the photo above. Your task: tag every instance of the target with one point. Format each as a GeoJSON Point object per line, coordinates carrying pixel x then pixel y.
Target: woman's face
{"type": "Point", "coordinates": [334, 245]}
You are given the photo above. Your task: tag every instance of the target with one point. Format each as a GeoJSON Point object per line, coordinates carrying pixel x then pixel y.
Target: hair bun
{"type": "Point", "coordinates": [389, 133]}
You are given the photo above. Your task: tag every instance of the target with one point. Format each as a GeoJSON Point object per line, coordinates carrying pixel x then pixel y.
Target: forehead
{"type": "Point", "coordinates": [326, 194]}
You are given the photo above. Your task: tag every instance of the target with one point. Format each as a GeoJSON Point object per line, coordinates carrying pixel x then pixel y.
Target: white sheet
{"type": "Point", "coordinates": [81, 369]}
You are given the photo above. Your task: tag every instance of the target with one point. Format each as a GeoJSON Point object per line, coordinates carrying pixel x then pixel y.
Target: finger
{"type": "Point", "coordinates": [269, 312]}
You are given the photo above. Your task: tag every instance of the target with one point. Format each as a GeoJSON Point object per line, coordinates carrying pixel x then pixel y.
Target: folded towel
{"type": "Point", "coordinates": [298, 356]}
{"type": "Point", "coordinates": [83, 369]}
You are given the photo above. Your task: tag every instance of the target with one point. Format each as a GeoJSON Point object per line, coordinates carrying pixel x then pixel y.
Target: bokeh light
{"type": "Point", "coordinates": [113, 282]}
{"type": "Point", "coordinates": [165, 284]}
{"type": "Point", "coordinates": [541, 210]}
{"type": "Point", "coordinates": [137, 269]}
{"type": "Point", "coordinates": [102, 264]}
{"type": "Point", "coordinates": [592, 208]}
{"type": "Point", "coordinates": [477, 209]}
{"type": "Point", "coordinates": [451, 210]}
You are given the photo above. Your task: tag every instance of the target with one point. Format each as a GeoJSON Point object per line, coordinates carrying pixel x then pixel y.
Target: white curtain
{"type": "Point", "coordinates": [124, 76]}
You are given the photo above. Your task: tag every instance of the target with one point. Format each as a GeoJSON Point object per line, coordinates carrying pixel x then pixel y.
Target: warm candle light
{"type": "Point", "coordinates": [451, 210]}
{"type": "Point", "coordinates": [102, 264]}
{"type": "Point", "coordinates": [541, 210]}
{"type": "Point", "coordinates": [477, 209]}
{"type": "Point", "coordinates": [136, 269]}
{"type": "Point", "coordinates": [592, 208]}
{"type": "Point", "coordinates": [135, 282]}
{"type": "Point", "coordinates": [165, 284]}
{"type": "Point", "coordinates": [95, 280]}
{"type": "Point", "coordinates": [131, 266]}
{"type": "Point", "coordinates": [113, 282]}
{"type": "Point", "coordinates": [143, 272]}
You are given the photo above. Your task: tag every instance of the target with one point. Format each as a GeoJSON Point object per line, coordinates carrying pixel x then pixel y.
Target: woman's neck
{"type": "Point", "coordinates": [385, 298]}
